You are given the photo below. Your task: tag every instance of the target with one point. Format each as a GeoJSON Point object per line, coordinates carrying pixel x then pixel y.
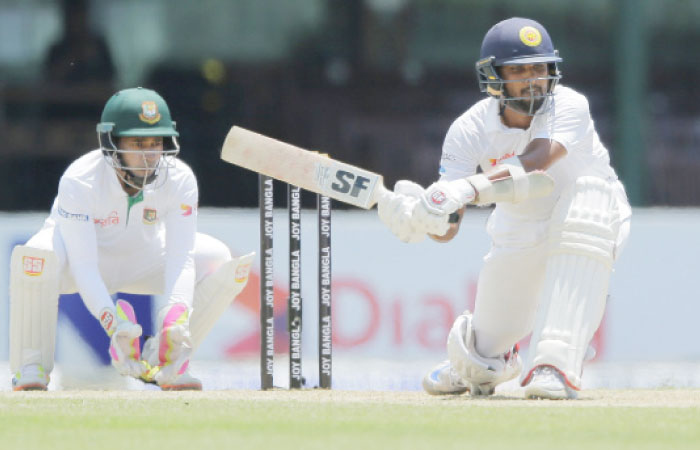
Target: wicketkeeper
{"type": "Point", "coordinates": [549, 266]}
{"type": "Point", "coordinates": [124, 220]}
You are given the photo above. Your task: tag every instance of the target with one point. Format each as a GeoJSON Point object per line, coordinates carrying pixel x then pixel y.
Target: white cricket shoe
{"type": "Point", "coordinates": [443, 380]}
{"type": "Point", "coordinates": [31, 377]}
{"type": "Point", "coordinates": [183, 382]}
{"type": "Point", "coordinates": [548, 383]}
{"type": "Point", "coordinates": [512, 366]}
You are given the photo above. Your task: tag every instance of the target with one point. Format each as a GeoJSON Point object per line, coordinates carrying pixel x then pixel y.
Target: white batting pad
{"type": "Point", "coordinates": [585, 225]}
{"type": "Point", "coordinates": [215, 293]}
{"type": "Point", "coordinates": [482, 374]}
{"type": "Point", "coordinates": [33, 307]}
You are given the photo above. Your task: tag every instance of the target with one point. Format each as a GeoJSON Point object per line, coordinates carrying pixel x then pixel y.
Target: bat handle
{"type": "Point", "coordinates": [454, 218]}
{"type": "Point", "coordinates": [380, 193]}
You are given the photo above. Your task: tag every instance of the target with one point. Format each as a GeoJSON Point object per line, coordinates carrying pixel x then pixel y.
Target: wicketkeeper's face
{"type": "Point", "coordinates": [141, 154]}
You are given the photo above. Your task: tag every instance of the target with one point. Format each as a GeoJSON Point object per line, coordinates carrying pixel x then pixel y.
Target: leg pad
{"type": "Point", "coordinates": [33, 307]}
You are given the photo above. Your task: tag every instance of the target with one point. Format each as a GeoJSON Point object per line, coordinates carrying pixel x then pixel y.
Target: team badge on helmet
{"type": "Point", "coordinates": [149, 112]}
{"type": "Point", "coordinates": [530, 36]}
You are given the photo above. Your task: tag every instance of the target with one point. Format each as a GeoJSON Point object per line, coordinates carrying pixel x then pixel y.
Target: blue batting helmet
{"type": "Point", "coordinates": [516, 41]}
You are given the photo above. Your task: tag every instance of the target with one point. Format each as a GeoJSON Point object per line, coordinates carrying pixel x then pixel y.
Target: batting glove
{"type": "Point", "coordinates": [442, 198]}
{"type": "Point", "coordinates": [396, 211]}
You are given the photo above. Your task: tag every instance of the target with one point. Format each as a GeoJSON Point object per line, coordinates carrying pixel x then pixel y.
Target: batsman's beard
{"type": "Point", "coordinates": [529, 101]}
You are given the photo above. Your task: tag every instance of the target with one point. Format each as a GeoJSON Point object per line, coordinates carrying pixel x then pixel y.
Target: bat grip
{"type": "Point", "coordinates": [454, 218]}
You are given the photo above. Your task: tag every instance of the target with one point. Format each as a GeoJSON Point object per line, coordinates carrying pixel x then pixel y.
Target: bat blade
{"type": "Point", "coordinates": [306, 169]}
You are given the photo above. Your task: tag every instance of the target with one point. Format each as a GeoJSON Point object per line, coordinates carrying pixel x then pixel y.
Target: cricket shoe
{"type": "Point", "coordinates": [483, 373]}
{"type": "Point", "coordinates": [511, 364]}
{"type": "Point", "coordinates": [183, 382]}
{"type": "Point", "coordinates": [167, 353]}
{"type": "Point", "coordinates": [443, 380]}
{"type": "Point", "coordinates": [31, 377]}
{"type": "Point", "coordinates": [547, 382]}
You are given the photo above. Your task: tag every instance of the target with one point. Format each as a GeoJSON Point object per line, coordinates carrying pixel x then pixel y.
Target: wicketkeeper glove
{"type": "Point", "coordinates": [124, 346]}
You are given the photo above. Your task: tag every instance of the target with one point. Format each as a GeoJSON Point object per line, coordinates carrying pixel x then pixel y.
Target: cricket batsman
{"type": "Point", "coordinates": [548, 269]}
{"type": "Point", "coordinates": [124, 220]}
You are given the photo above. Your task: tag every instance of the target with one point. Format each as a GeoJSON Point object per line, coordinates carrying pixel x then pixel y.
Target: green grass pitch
{"type": "Point", "coordinates": [633, 419]}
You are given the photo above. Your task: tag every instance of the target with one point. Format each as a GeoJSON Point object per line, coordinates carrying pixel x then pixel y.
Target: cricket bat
{"type": "Point", "coordinates": [314, 172]}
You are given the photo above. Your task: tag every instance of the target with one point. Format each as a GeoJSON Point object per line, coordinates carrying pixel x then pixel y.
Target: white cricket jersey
{"type": "Point", "coordinates": [479, 138]}
{"type": "Point", "coordinates": [101, 226]}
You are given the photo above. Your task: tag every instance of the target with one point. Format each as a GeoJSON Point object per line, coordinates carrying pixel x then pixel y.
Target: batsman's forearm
{"type": "Point", "coordinates": [511, 189]}
{"type": "Point", "coordinates": [540, 154]}
{"type": "Point", "coordinates": [455, 221]}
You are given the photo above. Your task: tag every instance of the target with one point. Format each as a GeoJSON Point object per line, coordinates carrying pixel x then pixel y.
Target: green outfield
{"type": "Point", "coordinates": [634, 419]}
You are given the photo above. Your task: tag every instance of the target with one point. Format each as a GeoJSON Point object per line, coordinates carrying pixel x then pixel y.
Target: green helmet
{"type": "Point", "coordinates": [137, 112]}
{"type": "Point", "coordinates": [142, 113]}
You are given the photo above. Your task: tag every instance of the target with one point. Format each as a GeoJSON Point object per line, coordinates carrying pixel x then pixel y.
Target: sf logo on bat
{"type": "Point", "coordinates": [347, 182]}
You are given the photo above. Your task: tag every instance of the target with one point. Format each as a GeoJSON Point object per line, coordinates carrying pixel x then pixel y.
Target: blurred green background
{"type": "Point", "coordinates": [372, 82]}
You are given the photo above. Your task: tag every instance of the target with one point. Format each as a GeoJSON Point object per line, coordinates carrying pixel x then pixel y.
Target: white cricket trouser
{"type": "Point", "coordinates": [139, 273]}
{"type": "Point", "coordinates": [512, 277]}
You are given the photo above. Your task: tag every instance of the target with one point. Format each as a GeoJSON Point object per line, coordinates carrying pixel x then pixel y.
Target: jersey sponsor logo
{"type": "Point", "coordinates": [186, 209]}
{"type": "Point", "coordinates": [448, 157]}
{"type": "Point", "coordinates": [72, 216]}
{"type": "Point", "coordinates": [348, 182]}
{"type": "Point", "coordinates": [530, 36]}
{"type": "Point", "coordinates": [150, 216]}
{"type": "Point", "coordinates": [242, 272]}
{"type": "Point", "coordinates": [32, 266]}
{"type": "Point", "coordinates": [495, 161]}
{"type": "Point", "coordinates": [107, 320]}
{"type": "Point", "coordinates": [438, 197]}
{"type": "Point", "coordinates": [111, 219]}
{"type": "Point", "coordinates": [149, 112]}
